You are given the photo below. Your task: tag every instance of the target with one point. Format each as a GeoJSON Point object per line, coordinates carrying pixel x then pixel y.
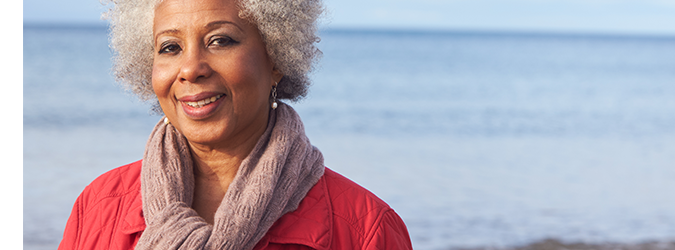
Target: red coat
{"type": "Point", "coordinates": [336, 214]}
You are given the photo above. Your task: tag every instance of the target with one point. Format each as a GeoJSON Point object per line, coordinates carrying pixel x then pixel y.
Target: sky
{"type": "Point", "coordinates": [586, 16]}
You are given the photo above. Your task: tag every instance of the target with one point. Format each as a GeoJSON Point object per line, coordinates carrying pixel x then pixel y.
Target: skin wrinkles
{"type": "Point", "coordinates": [203, 48]}
{"type": "Point", "coordinates": [212, 25]}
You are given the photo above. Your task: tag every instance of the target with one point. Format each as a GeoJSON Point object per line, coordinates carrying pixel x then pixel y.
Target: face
{"type": "Point", "coordinates": [211, 72]}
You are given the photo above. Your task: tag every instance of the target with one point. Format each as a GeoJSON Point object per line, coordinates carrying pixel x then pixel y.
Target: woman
{"type": "Point", "coordinates": [229, 167]}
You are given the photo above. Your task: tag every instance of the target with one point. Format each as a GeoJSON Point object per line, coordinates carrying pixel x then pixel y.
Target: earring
{"type": "Point", "coordinates": [166, 120]}
{"type": "Point", "coordinates": [274, 97]}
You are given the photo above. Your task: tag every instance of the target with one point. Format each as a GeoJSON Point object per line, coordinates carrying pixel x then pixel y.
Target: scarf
{"type": "Point", "coordinates": [271, 181]}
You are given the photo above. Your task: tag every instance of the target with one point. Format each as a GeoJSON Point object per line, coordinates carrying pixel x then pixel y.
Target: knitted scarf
{"type": "Point", "coordinates": [270, 182]}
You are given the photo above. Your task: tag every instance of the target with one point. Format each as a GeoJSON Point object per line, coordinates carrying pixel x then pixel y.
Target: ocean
{"type": "Point", "coordinates": [476, 139]}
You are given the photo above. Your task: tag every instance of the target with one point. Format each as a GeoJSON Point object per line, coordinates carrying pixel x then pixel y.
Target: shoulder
{"type": "Point", "coordinates": [350, 200]}
{"type": "Point", "coordinates": [114, 183]}
{"type": "Point", "coordinates": [108, 212]}
{"type": "Point", "coordinates": [369, 221]}
{"type": "Point", "coordinates": [337, 213]}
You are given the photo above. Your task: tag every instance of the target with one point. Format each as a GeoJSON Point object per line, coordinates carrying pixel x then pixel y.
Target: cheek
{"type": "Point", "coordinates": [161, 81]}
{"type": "Point", "coordinates": [252, 82]}
{"type": "Point", "coordinates": [241, 73]}
{"type": "Point", "coordinates": [161, 85]}
{"type": "Point", "coordinates": [254, 68]}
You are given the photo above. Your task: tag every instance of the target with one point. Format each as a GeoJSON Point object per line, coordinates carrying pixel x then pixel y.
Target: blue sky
{"type": "Point", "coordinates": [605, 16]}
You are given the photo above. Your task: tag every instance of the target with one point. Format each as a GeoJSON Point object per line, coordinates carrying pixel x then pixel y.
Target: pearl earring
{"type": "Point", "coordinates": [166, 120]}
{"type": "Point", "coordinates": [274, 97]}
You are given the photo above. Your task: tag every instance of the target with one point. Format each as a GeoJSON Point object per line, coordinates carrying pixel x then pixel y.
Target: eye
{"type": "Point", "coordinates": [169, 48]}
{"type": "Point", "coordinates": [221, 41]}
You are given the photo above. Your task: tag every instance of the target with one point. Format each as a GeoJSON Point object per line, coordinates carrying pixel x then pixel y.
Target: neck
{"type": "Point", "coordinates": [213, 176]}
{"type": "Point", "coordinates": [215, 169]}
{"type": "Point", "coordinates": [220, 161]}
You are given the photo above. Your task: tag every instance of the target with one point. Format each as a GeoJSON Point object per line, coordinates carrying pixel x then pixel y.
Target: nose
{"type": "Point", "coordinates": [195, 66]}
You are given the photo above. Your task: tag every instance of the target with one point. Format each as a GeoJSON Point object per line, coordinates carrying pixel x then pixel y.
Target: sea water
{"type": "Point", "coordinates": [476, 139]}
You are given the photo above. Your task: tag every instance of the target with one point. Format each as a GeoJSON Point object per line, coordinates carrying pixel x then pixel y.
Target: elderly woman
{"type": "Point", "coordinates": [229, 166]}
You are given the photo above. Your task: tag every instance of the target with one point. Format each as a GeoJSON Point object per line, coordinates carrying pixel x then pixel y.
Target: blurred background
{"type": "Point", "coordinates": [484, 124]}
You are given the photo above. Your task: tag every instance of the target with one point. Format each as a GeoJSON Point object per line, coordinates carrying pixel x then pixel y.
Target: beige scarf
{"type": "Point", "coordinates": [270, 182]}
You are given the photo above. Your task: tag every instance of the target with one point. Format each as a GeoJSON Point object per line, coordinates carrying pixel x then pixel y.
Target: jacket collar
{"type": "Point", "coordinates": [311, 224]}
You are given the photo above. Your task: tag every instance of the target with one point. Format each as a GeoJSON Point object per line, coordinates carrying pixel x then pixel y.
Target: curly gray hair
{"type": "Point", "coordinates": [288, 28]}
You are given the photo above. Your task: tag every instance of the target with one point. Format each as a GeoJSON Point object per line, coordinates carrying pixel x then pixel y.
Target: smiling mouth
{"type": "Point", "coordinates": [202, 103]}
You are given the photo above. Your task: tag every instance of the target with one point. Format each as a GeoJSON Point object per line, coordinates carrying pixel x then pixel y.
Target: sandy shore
{"type": "Point", "coordinates": [552, 244]}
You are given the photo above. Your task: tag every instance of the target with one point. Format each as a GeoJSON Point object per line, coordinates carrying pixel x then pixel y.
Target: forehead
{"type": "Point", "coordinates": [169, 13]}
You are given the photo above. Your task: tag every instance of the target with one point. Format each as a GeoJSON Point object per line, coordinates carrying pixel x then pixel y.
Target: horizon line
{"type": "Point", "coordinates": [407, 30]}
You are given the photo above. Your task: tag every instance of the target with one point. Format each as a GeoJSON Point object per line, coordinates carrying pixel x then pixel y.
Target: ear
{"type": "Point", "coordinates": [276, 74]}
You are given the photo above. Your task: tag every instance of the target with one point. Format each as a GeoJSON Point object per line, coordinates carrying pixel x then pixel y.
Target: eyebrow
{"type": "Point", "coordinates": [169, 31]}
{"type": "Point", "coordinates": [215, 24]}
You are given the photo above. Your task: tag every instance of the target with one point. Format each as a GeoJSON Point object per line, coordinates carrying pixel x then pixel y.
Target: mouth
{"type": "Point", "coordinates": [203, 102]}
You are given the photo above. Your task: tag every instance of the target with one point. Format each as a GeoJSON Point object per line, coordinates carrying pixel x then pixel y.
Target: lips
{"type": "Point", "coordinates": [202, 105]}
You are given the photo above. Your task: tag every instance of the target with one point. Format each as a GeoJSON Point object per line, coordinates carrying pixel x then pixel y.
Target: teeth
{"type": "Point", "coordinates": [202, 103]}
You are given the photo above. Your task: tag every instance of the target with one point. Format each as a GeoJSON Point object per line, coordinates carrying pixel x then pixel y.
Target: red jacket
{"type": "Point", "coordinates": [336, 214]}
